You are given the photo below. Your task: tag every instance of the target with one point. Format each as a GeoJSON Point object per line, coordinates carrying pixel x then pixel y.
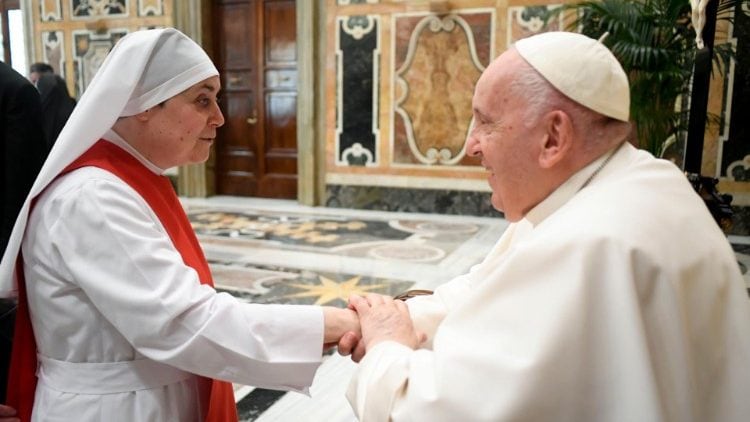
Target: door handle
{"type": "Point", "coordinates": [253, 119]}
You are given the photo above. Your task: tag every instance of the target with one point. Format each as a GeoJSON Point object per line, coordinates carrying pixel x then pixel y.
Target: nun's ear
{"type": "Point", "coordinates": [144, 116]}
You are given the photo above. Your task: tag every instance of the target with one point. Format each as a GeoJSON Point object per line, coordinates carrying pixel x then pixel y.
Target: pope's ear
{"type": "Point", "coordinates": [558, 138]}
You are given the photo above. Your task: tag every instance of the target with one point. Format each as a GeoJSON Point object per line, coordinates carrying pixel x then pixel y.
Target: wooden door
{"type": "Point", "coordinates": [256, 149]}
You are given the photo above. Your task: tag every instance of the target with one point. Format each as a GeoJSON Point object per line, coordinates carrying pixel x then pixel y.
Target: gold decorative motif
{"type": "Point", "coordinates": [329, 290]}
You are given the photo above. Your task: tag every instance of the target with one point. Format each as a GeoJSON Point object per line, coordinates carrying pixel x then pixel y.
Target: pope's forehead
{"type": "Point", "coordinates": [501, 70]}
{"type": "Point", "coordinates": [507, 63]}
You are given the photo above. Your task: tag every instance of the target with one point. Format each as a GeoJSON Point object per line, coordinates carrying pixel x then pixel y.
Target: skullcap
{"type": "Point", "coordinates": [582, 68]}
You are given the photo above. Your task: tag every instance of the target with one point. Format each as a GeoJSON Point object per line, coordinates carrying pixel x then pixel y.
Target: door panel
{"type": "Point", "coordinates": [257, 146]}
{"type": "Point", "coordinates": [281, 153]}
{"type": "Point", "coordinates": [280, 32]}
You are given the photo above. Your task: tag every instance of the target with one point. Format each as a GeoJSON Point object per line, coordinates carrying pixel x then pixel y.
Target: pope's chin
{"type": "Point", "coordinates": [496, 202]}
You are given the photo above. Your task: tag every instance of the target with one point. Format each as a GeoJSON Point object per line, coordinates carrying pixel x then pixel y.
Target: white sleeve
{"type": "Point", "coordinates": [115, 249]}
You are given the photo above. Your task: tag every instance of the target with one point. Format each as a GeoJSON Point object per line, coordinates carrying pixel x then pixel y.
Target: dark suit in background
{"type": "Point", "coordinates": [22, 151]}
{"type": "Point", "coordinates": [56, 105]}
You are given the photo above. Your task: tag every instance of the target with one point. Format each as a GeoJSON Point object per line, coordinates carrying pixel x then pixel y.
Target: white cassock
{"type": "Point", "coordinates": [619, 302]}
{"type": "Point", "coordinates": [122, 325]}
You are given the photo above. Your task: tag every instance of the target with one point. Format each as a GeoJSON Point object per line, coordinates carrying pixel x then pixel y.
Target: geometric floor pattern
{"type": "Point", "coordinates": [270, 251]}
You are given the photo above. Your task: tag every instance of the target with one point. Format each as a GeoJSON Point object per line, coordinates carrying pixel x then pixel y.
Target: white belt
{"type": "Point", "coordinates": [106, 378]}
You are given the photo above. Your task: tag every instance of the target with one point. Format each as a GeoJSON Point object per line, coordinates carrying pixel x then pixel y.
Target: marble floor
{"type": "Point", "coordinates": [271, 251]}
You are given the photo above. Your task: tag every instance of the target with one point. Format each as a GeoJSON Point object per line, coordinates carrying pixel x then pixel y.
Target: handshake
{"type": "Point", "coordinates": [368, 321]}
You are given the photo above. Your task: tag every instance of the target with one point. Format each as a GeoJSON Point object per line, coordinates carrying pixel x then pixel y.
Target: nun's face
{"type": "Point", "coordinates": [184, 126]}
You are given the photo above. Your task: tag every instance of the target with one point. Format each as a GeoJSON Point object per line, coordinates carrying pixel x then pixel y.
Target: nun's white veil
{"type": "Point", "coordinates": [144, 69]}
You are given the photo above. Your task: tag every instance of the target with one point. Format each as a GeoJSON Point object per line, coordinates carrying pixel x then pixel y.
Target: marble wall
{"type": "Point", "coordinates": [400, 76]}
{"type": "Point", "coordinates": [74, 36]}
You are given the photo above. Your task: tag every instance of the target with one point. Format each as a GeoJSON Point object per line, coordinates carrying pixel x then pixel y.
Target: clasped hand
{"type": "Point", "coordinates": [380, 318]}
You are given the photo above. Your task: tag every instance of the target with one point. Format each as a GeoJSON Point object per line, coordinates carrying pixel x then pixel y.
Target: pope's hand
{"type": "Point", "coordinates": [382, 318]}
{"type": "Point", "coordinates": [351, 344]}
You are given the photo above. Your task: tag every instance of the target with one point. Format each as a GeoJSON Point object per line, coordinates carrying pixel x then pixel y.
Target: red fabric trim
{"type": "Point", "coordinates": [22, 371]}
{"type": "Point", "coordinates": [157, 191]}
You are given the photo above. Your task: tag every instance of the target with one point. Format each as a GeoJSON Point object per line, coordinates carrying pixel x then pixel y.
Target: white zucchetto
{"type": "Point", "coordinates": [582, 68]}
{"type": "Point", "coordinates": [144, 69]}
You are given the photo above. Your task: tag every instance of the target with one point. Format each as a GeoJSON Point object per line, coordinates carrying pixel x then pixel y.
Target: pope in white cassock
{"type": "Point", "coordinates": [612, 296]}
{"type": "Point", "coordinates": [115, 300]}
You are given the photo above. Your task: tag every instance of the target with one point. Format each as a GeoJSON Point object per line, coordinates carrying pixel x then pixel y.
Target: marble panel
{"type": "Point", "coordinates": [357, 75]}
{"type": "Point", "coordinates": [89, 50]}
{"type": "Point", "coordinates": [735, 140]}
{"type": "Point", "coordinates": [53, 50]}
{"type": "Point", "coordinates": [50, 10]}
{"type": "Point", "coordinates": [437, 201]}
{"type": "Point", "coordinates": [150, 7]}
{"type": "Point", "coordinates": [525, 21]}
{"type": "Point", "coordinates": [437, 61]}
{"type": "Point", "coordinates": [98, 9]}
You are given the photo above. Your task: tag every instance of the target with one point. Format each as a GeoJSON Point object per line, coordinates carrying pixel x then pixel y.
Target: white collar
{"type": "Point", "coordinates": [115, 138]}
{"type": "Point", "coordinates": [570, 188]}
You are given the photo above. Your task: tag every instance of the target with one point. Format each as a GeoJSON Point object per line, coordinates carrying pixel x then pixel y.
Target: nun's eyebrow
{"type": "Point", "coordinates": [209, 87]}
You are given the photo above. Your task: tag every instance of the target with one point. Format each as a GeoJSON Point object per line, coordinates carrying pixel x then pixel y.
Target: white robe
{"type": "Point", "coordinates": [105, 284]}
{"type": "Point", "coordinates": [619, 302]}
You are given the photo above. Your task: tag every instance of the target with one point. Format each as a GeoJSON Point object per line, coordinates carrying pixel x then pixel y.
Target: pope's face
{"type": "Point", "coordinates": [184, 127]}
{"type": "Point", "coordinates": [500, 137]}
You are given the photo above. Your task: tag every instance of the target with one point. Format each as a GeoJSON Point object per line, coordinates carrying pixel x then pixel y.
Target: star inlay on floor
{"type": "Point", "coordinates": [329, 290]}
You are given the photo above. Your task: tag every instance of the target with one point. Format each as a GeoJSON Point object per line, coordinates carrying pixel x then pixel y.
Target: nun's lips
{"type": "Point", "coordinates": [209, 140]}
